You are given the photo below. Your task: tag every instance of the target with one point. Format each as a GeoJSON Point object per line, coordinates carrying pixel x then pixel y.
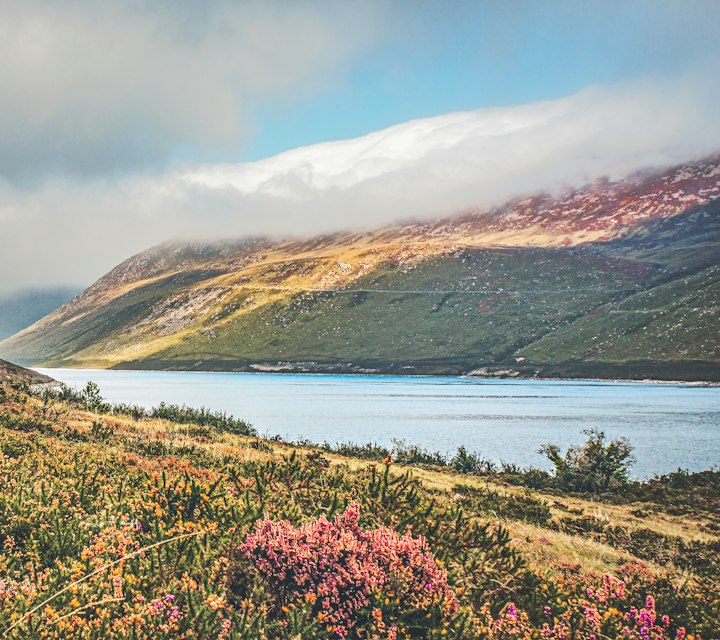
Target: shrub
{"type": "Point", "coordinates": [354, 578]}
{"type": "Point", "coordinates": [203, 417]}
{"type": "Point", "coordinates": [469, 462]}
{"type": "Point", "coordinates": [404, 453]}
{"type": "Point", "coordinates": [594, 466]}
{"type": "Point", "coordinates": [368, 451]}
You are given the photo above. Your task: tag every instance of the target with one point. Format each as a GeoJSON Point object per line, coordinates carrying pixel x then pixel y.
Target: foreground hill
{"type": "Point", "coordinates": [115, 524]}
{"type": "Point", "coordinates": [618, 279]}
{"type": "Point", "coordinates": [12, 374]}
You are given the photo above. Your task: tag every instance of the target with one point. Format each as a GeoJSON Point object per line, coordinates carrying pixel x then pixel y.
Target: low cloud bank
{"type": "Point", "coordinates": [71, 231]}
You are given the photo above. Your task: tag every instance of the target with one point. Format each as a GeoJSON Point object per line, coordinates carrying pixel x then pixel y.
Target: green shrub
{"type": "Point", "coordinates": [465, 461]}
{"type": "Point", "coordinates": [593, 467]}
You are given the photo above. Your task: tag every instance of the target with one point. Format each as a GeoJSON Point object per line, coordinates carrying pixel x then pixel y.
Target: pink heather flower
{"type": "Point", "coordinates": [592, 615]}
{"type": "Point", "coordinates": [117, 587]}
{"type": "Point", "coordinates": [344, 567]}
{"type": "Point", "coordinates": [225, 630]}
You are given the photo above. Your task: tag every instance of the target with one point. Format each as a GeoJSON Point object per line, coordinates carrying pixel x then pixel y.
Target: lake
{"type": "Point", "coordinates": [668, 425]}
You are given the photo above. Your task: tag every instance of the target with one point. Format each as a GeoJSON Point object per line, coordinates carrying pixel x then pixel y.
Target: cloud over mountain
{"type": "Point", "coordinates": [420, 169]}
{"type": "Point", "coordinates": [122, 123]}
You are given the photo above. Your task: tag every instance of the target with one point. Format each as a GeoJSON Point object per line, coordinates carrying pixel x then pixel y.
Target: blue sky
{"type": "Point", "coordinates": [453, 56]}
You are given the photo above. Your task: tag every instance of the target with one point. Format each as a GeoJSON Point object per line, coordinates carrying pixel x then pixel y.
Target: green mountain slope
{"type": "Point", "coordinates": [617, 280]}
{"type": "Point", "coordinates": [454, 312]}
{"type": "Point", "coordinates": [675, 322]}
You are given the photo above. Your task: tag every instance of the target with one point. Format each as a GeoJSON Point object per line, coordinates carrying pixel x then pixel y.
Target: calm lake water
{"type": "Point", "coordinates": [669, 426]}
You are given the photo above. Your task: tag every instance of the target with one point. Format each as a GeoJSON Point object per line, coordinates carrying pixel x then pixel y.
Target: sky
{"type": "Point", "coordinates": [126, 124]}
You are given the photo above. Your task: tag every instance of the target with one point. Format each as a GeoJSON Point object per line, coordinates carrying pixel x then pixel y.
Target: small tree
{"type": "Point", "coordinates": [595, 466]}
{"type": "Point", "coordinates": [465, 461]}
{"type": "Point", "coordinates": [93, 400]}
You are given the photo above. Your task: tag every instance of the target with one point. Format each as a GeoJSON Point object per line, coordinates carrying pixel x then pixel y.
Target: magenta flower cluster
{"type": "Point", "coordinates": [349, 574]}
{"type": "Point", "coordinates": [599, 620]}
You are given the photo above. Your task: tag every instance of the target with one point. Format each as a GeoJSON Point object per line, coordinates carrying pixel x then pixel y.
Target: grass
{"type": "Point", "coordinates": [674, 321]}
{"type": "Point", "coordinates": [368, 323]}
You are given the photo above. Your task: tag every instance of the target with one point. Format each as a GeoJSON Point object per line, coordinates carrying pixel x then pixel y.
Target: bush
{"type": "Point", "coordinates": [404, 453]}
{"type": "Point", "coordinates": [203, 417]}
{"type": "Point", "coordinates": [469, 462]}
{"type": "Point", "coordinates": [368, 451]}
{"type": "Point", "coordinates": [594, 467]}
{"type": "Point", "coordinates": [353, 578]}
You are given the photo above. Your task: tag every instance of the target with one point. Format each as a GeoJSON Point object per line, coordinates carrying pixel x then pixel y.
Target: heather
{"type": "Point", "coordinates": [122, 525]}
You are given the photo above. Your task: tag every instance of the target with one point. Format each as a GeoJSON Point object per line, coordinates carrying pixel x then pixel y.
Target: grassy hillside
{"type": "Point", "coordinates": [674, 321]}
{"type": "Point", "coordinates": [464, 310]}
{"type": "Point", "coordinates": [614, 280]}
{"type": "Point", "coordinates": [114, 526]}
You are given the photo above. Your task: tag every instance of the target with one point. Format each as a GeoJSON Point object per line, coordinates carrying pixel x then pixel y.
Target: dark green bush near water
{"type": "Point", "coordinates": [368, 451]}
{"type": "Point", "coordinates": [470, 462]}
{"type": "Point", "coordinates": [593, 467]}
{"type": "Point", "coordinates": [679, 492]}
{"type": "Point", "coordinates": [403, 453]}
{"type": "Point", "coordinates": [204, 417]}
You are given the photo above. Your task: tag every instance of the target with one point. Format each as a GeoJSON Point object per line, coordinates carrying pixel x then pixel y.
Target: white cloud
{"type": "Point", "coordinates": [71, 232]}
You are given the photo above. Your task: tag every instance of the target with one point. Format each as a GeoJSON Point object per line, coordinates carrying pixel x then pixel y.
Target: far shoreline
{"type": "Point", "coordinates": [487, 378]}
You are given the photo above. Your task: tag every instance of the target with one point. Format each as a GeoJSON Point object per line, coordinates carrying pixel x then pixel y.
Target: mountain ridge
{"type": "Point", "coordinates": [447, 296]}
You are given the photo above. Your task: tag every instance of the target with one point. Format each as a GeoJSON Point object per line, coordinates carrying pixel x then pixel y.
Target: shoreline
{"type": "Point", "coordinates": [463, 376]}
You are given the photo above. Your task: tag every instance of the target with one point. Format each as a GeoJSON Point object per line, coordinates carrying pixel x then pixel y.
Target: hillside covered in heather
{"type": "Point", "coordinates": [616, 279]}
{"type": "Point", "coordinates": [118, 522]}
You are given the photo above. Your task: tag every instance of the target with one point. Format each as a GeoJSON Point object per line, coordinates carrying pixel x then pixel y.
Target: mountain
{"type": "Point", "coordinates": [620, 278]}
{"type": "Point", "coordinates": [22, 308]}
